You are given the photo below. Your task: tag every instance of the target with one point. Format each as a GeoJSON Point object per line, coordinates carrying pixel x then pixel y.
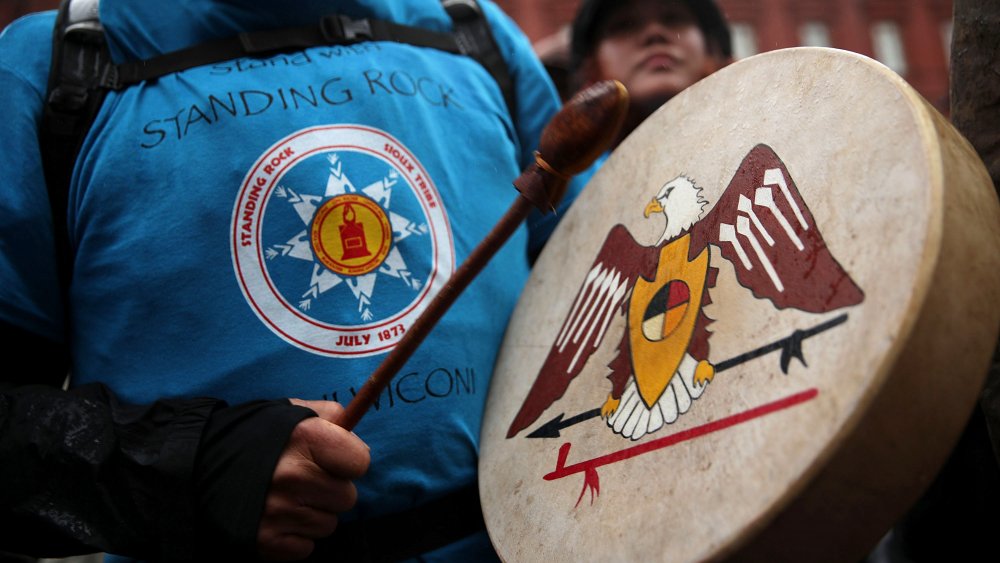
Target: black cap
{"type": "Point", "coordinates": [593, 12]}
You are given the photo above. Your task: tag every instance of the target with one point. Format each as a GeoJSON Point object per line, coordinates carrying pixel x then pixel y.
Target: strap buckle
{"type": "Point", "coordinates": [68, 98]}
{"type": "Point", "coordinates": [111, 77]}
{"type": "Point", "coordinates": [343, 29]}
{"type": "Point", "coordinates": [462, 10]}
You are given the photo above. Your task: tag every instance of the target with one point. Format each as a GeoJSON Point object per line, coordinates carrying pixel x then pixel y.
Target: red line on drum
{"type": "Point", "coordinates": [589, 467]}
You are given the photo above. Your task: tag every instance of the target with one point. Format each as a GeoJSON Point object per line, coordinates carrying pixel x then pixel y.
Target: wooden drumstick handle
{"type": "Point", "coordinates": [575, 136]}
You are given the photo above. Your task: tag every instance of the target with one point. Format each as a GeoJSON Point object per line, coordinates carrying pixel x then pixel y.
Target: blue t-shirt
{"type": "Point", "coordinates": [267, 228]}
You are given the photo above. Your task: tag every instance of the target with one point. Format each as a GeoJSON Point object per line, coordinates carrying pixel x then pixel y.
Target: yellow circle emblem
{"type": "Point", "coordinates": [351, 235]}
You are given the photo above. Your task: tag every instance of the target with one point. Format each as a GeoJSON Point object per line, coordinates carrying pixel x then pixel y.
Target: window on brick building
{"type": "Point", "coordinates": [744, 40]}
{"type": "Point", "coordinates": [887, 41]}
{"type": "Point", "coordinates": [814, 34]}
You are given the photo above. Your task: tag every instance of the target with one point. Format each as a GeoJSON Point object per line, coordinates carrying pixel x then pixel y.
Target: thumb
{"type": "Point", "coordinates": [330, 411]}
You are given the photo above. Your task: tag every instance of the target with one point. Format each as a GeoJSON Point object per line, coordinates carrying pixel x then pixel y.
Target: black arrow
{"type": "Point", "coordinates": [790, 346]}
{"type": "Point", "coordinates": [551, 428]}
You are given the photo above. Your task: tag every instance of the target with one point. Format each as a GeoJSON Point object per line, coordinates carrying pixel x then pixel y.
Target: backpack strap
{"type": "Point", "coordinates": [471, 37]}
{"type": "Point", "coordinates": [475, 39]}
{"type": "Point", "coordinates": [332, 30]}
{"type": "Point", "coordinates": [80, 59]}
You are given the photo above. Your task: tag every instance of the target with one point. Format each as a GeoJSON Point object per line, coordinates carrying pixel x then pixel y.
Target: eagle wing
{"type": "Point", "coordinates": [618, 265]}
{"type": "Point", "coordinates": [764, 227]}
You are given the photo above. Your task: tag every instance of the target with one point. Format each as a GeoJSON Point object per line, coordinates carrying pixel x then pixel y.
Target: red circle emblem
{"type": "Point", "coordinates": [351, 235]}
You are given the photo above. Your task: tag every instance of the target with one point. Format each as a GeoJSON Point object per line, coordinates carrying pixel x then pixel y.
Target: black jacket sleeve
{"type": "Point", "coordinates": [82, 472]}
{"type": "Point", "coordinates": [177, 480]}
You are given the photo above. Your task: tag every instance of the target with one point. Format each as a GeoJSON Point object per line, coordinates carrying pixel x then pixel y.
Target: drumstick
{"type": "Point", "coordinates": [577, 135]}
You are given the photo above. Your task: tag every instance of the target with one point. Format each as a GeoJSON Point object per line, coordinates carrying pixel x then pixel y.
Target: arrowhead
{"type": "Point", "coordinates": [792, 348]}
{"type": "Point", "coordinates": [548, 430]}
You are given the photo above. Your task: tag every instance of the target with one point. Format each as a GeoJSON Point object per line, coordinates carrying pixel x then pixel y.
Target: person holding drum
{"type": "Point", "coordinates": [656, 48]}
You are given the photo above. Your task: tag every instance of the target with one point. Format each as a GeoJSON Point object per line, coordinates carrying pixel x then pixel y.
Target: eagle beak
{"type": "Point", "coordinates": [652, 207]}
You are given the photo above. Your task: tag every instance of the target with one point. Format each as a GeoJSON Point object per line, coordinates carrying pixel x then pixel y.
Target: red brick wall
{"type": "Point", "coordinates": [10, 10]}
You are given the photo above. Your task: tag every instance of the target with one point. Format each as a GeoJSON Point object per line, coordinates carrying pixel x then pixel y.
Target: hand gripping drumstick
{"type": "Point", "coordinates": [580, 132]}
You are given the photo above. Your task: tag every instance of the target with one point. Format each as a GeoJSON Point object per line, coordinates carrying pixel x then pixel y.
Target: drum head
{"type": "Point", "coordinates": [757, 333]}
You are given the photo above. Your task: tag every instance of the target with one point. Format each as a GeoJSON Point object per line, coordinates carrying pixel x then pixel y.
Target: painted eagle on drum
{"type": "Point", "coordinates": [760, 224]}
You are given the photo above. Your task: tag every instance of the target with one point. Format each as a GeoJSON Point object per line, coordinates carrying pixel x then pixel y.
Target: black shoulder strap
{"type": "Point", "coordinates": [475, 39]}
{"type": "Point", "coordinates": [80, 60]}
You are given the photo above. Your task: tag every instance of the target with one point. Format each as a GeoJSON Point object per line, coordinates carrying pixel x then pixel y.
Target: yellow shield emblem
{"type": "Point", "coordinates": [662, 315]}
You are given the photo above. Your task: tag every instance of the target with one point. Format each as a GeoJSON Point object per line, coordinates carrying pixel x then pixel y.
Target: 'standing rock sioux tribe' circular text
{"type": "Point", "coordinates": [340, 215]}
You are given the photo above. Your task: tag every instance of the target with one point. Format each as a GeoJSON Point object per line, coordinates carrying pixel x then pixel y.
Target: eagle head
{"type": "Point", "coordinates": [680, 202]}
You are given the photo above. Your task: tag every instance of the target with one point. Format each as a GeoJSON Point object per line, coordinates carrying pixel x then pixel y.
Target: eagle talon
{"type": "Point", "coordinates": [610, 406]}
{"type": "Point", "coordinates": [704, 373]}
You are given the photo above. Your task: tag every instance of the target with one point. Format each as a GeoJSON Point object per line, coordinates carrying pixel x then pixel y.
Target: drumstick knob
{"type": "Point", "coordinates": [573, 139]}
{"type": "Point", "coordinates": [585, 127]}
